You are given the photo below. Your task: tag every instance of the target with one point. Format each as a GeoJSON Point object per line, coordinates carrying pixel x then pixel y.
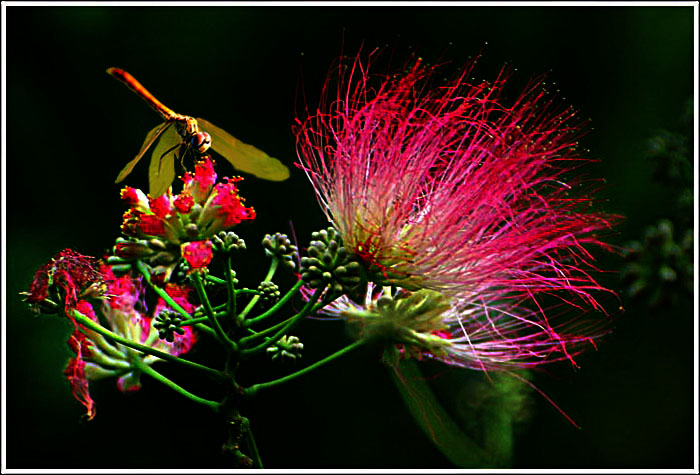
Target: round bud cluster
{"type": "Point", "coordinates": [168, 323]}
{"type": "Point", "coordinates": [329, 263]}
{"type": "Point", "coordinates": [278, 245]}
{"type": "Point", "coordinates": [288, 348]}
{"type": "Point", "coordinates": [269, 292]}
{"type": "Point", "coordinates": [228, 242]}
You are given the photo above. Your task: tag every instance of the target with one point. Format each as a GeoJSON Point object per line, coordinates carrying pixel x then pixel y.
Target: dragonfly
{"type": "Point", "coordinates": [180, 134]}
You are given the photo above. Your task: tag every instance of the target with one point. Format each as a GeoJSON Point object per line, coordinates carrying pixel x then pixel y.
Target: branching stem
{"type": "Point", "coordinates": [144, 368]}
{"type": "Point", "coordinates": [275, 308]}
{"type": "Point", "coordinates": [270, 273]}
{"type": "Point", "coordinates": [305, 311]}
{"type": "Point", "coordinates": [253, 390]}
{"type": "Point", "coordinates": [231, 346]}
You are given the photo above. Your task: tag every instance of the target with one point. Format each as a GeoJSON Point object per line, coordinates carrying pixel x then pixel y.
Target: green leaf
{"type": "Point", "coordinates": [435, 421]}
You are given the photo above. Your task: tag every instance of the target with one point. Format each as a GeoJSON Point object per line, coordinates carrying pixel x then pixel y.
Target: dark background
{"type": "Point", "coordinates": [70, 129]}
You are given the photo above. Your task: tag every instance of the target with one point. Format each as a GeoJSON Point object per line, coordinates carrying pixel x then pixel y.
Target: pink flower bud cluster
{"type": "Point", "coordinates": [171, 226]}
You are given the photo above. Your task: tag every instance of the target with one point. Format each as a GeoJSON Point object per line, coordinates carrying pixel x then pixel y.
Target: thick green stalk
{"type": "Point", "coordinates": [253, 390]}
{"type": "Point", "coordinates": [305, 311]}
{"type": "Point", "coordinates": [82, 319]}
{"type": "Point", "coordinates": [275, 308]}
{"type": "Point", "coordinates": [144, 368]}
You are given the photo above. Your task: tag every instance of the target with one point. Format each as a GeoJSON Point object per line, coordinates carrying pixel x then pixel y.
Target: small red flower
{"type": "Point", "coordinates": [160, 206]}
{"type": "Point", "coordinates": [151, 225]}
{"type": "Point", "coordinates": [198, 254]}
{"type": "Point", "coordinates": [67, 276]}
{"type": "Point", "coordinates": [183, 203]}
{"type": "Point", "coordinates": [200, 184]}
{"type": "Point", "coordinates": [133, 197]}
{"type": "Point", "coordinates": [231, 209]}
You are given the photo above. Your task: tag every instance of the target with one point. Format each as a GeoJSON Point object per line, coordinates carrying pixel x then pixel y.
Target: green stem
{"type": "Point", "coordinates": [253, 390]}
{"type": "Point", "coordinates": [254, 300]}
{"type": "Point", "coordinates": [275, 308]}
{"type": "Point", "coordinates": [247, 339]}
{"type": "Point", "coordinates": [162, 293]}
{"type": "Point", "coordinates": [230, 345]}
{"type": "Point", "coordinates": [219, 308]}
{"type": "Point", "coordinates": [247, 291]}
{"type": "Point", "coordinates": [263, 333]}
{"type": "Point", "coordinates": [82, 319]}
{"type": "Point", "coordinates": [213, 279]}
{"type": "Point", "coordinates": [230, 289]}
{"type": "Point", "coordinates": [253, 447]}
{"type": "Point", "coordinates": [193, 321]}
{"type": "Point", "coordinates": [203, 328]}
{"type": "Point", "coordinates": [144, 368]}
{"type": "Point", "coordinates": [292, 321]}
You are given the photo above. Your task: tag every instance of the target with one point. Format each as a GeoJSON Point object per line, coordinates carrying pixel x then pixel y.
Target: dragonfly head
{"type": "Point", "coordinates": [200, 142]}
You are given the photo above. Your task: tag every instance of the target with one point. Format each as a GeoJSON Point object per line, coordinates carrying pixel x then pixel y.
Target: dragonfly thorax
{"type": "Point", "coordinates": [186, 126]}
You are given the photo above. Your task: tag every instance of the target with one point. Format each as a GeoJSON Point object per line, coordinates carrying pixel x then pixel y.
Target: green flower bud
{"type": "Point", "coordinates": [287, 349]}
{"type": "Point", "coordinates": [227, 242]}
{"type": "Point", "coordinates": [269, 292]}
{"type": "Point", "coordinates": [329, 263]}
{"type": "Point", "coordinates": [168, 323]}
{"type": "Point", "coordinates": [278, 245]}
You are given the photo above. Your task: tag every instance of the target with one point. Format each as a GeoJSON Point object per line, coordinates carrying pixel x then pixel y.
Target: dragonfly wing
{"type": "Point", "coordinates": [161, 171]}
{"type": "Point", "coordinates": [151, 137]}
{"type": "Point", "coordinates": [242, 156]}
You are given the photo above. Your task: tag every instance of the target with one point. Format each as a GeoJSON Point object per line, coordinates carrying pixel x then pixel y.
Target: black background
{"type": "Point", "coordinates": [70, 129]}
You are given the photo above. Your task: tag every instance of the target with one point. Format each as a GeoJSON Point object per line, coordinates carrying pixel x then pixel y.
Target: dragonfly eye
{"type": "Point", "coordinates": [201, 142]}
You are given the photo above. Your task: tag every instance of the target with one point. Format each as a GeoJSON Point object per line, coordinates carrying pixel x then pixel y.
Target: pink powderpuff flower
{"type": "Point", "coordinates": [496, 337]}
{"type": "Point", "coordinates": [124, 313]}
{"type": "Point", "coordinates": [450, 187]}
